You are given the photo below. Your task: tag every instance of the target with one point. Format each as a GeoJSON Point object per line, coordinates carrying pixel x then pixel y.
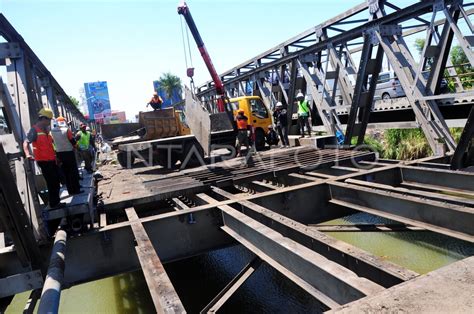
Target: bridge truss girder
{"type": "Point", "coordinates": [325, 61]}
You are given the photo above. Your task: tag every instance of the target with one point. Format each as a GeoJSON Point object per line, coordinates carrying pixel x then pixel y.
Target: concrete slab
{"type": "Point", "coordinates": [315, 141]}
{"type": "Point", "coordinates": [446, 290]}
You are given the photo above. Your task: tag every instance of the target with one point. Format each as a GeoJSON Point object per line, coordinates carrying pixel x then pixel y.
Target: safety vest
{"type": "Point", "coordinates": [84, 140]}
{"type": "Point", "coordinates": [242, 122]}
{"type": "Point", "coordinates": [303, 108]}
{"type": "Point", "coordinates": [61, 137]}
{"type": "Point", "coordinates": [43, 149]}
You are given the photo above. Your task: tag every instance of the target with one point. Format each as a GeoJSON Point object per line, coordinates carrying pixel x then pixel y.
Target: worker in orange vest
{"type": "Point", "coordinates": [242, 131]}
{"type": "Point", "coordinates": [155, 101]}
{"type": "Point", "coordinates": [44, 154]}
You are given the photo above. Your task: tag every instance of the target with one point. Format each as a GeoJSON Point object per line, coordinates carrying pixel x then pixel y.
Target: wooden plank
{"type": "Point", "coordinates": [162, 292]}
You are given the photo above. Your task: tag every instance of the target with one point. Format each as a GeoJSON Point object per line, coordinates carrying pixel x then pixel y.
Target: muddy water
{"type": "Point", "coordinates": [198, 279]}
{"type": "Point", "coordinates": [420, 251]}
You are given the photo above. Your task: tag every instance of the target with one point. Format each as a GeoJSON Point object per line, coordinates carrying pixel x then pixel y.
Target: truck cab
{"type": "Point", "coordinates": [259, 116]}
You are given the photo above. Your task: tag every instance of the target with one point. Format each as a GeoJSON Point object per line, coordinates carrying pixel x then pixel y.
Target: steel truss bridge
{"type": "Point", "coordinates": [336, 58]}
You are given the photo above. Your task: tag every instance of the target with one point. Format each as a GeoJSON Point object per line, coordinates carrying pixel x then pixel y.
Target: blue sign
{"type": "Point", "coordinates": [167, 102]}
{"type": "Point", "coordinates": [98, 101]}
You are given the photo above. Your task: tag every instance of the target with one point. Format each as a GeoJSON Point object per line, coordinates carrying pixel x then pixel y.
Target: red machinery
{"type": "Point", "coordinates": [183, 9]}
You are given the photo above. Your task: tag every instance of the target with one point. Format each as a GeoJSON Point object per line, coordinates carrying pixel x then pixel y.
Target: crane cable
{"type": "Point", "coordinates": [187, 53]}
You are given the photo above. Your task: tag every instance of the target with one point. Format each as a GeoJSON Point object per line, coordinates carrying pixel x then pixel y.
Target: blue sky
{"type": "Point", "coordinates": [130, 43]}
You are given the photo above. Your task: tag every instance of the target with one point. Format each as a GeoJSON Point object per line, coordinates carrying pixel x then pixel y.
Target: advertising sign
{"type": "Point", "coordinates": [98, 101]}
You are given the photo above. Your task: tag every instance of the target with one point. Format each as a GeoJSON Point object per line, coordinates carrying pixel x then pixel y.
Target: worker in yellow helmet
{"type": "Point", "coordinates": [44, 155]}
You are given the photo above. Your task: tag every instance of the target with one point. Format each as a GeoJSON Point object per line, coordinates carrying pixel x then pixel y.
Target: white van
{"type": "Point", "coordinates": [388, 86]}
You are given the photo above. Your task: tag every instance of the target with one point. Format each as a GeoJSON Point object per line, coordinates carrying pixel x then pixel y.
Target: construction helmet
{"type": "Point", "coordinates": [60, 119]}
{"type": "Point", "coordinates": [88, 128]}
{"type": "Point", "coordinates": [45, 112]}
{"type": "Point", "coordinates": [300, 95]}
{"type": "Point", "coordinates": [155, 94]}
{"type": "Point", "coordinates": [279, 105]}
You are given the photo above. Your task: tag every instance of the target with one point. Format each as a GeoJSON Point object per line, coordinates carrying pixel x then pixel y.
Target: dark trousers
{"type": "Point", "coordinates": [283, 133]}
{"type": "Point", "coordinates": [69, 168]}
{"type": "Point", "coordinates": [50, 172]}
{"type": "Point", "coordinates": [86, 155]}
{"type": "Point", "coordinates": [304, 121]}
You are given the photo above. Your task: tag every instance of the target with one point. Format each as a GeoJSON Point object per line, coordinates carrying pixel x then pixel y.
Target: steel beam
{"type": "Point", "coordinates": [331, 283]}
{"type": "Point", "coordinates": [452, 220]}
{"type": "Point", "coordinates": [162, 292]}
{"type": "Point", "coordinates": [21, 282]}
{"type": "Point", "coordinates": [360, 262]}
{"type": "Point", "coordinates": [232, 286]}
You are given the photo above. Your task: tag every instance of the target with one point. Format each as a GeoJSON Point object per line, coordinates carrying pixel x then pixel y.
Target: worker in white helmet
{"type": "Point", "coordinates": [281, 121]}
{"type": "Point", "coordinates": [303, 113]}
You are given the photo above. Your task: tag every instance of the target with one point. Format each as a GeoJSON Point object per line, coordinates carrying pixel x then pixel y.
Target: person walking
{"type": "Point", "coordinates": [281, 121]}
{"type": "Point", "coordinates": [83, 138]}
{"type": "Point", "coordinates": [155, 102]}
{"type": "Point", "coordinates": [303, 113]}
{"type": "Point", "coordinates": [64, 143]}
{"type": "Point", "coordinates": [242, 131]}
{"type": "Point", "coordinates": [44, 155]}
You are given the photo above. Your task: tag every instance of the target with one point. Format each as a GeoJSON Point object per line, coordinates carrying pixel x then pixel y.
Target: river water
{"type": "Point", "coordinates": [198, 279]}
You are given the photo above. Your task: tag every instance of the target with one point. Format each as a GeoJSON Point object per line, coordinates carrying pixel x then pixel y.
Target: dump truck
{"type": "Point", "coordinates": [164, 138]}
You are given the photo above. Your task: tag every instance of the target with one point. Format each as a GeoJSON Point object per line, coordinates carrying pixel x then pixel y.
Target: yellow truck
{"type": "Point", "coordinates": [259, 116]}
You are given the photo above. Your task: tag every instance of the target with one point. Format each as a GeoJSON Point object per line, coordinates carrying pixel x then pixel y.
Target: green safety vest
{"type": "Point", "coordinates": [303, 108]}
{"type": "Point", "coordinates": [84, 140]}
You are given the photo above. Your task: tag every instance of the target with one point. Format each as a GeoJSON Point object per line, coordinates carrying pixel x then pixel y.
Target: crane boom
{"type": "Point", "coordinates": [183, 9]}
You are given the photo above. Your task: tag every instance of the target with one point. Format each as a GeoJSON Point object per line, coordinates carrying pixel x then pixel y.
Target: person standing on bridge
{"type": "Point", "coordinates": [281, 121]}
{"type": "Point", "coordinates": [303, 113]}
{"type": "Point", "coordinates": [43, 152]}
{"type": "Point", "coordinates": [83, 138]}
{"type": "Point", "coordinates": [242, 131]}
{"type": "Point", "coordinates": [155, 101]}
{"type": "Point", "coordinates": [64, 143]}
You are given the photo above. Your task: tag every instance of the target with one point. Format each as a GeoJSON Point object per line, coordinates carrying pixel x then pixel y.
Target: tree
{"type": "Point", "coordinates": [462, 66]}
{"type": "Point", "coordinates": [74, 101]}
{"type": "Point", "coordinates": [419, 45]}
{"type": "Point", "coordinates": [170, 84]}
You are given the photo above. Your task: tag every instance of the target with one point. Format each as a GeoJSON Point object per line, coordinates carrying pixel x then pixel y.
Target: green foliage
{"type": "Point", "coordinates": [462, 66]}
{"type": "Point", "coordinates": [419, 45]}
{"type": "Point", "coordinates": [170, 82]}
{"type": "Point", "coordinates": [74, 101]}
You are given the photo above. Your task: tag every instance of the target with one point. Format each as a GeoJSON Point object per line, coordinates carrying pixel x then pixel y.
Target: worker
{"type": "Point", "coordinates": [242, 131]}
{"type": "Point", "coordinates": [155, 101]}
{"type": "Point", "coordinates": [272, 136]}
{"type": "Point", "coordinates": [64, 143]}
{"type": "Point", "coordinates": [83, 138]}
{"type": "Point", "coordinates": [43, 152]}
{"type": "Point", "coordinates": [303, 113]}
{"type": "Point", "coordinates": [281, 121]}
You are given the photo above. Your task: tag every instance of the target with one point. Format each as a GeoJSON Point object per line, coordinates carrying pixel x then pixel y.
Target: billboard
{"type": "Point", "coordinates": [167, 102]}
{"type": "Point", "coordinates": [115, 117]}
{"type": "Point", "coordinates": [98, 101]}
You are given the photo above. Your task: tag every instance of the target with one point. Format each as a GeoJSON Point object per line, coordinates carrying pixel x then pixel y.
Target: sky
{"type": "Point", "coordinates": [131, 43]}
